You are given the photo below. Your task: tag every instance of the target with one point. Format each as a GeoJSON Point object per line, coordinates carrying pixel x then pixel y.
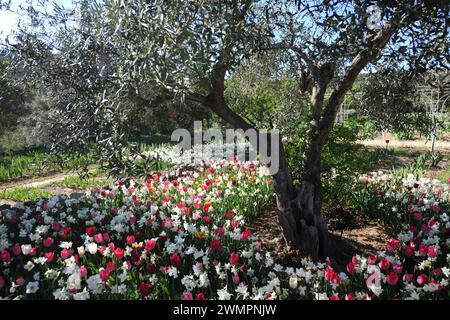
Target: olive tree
{"type": "Point", "coordinates": [389, 99]}
{"type": "Point", "coordinates": [148, 52]}
{"type": "Point", "coordinates": [434, 96]}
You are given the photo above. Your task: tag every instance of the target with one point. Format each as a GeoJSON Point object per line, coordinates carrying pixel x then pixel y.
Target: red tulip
{"type": "Point", "coordinates": [175, 259]}
{"type": "Point", "coordinates": [49, 256]}
{"type": "Point", "coordinates": [216, 245]}
{"type": "Point", "coordinates": [384, 264]}
{"type": "Point", "coordinates": [5, 256]}
{"type": "Point", "coordinates": [104, 275]}
{"type": "Point", "coordinates": [234, 258]}
{"type": "Point", "coordinates": [48, 242]}
{"type": "Point", "coordinates": [118, 254]}
{"type": "Point", "coordinates": [422, 279]}
{"type": "Point", "coordinates": [350, 267]}
{"type": "Point", "coordinates": [144, 288]}
{"type": "Point", "coordinates": [392, 278]}
{"type": "Point", "coordinates": [150, 245]}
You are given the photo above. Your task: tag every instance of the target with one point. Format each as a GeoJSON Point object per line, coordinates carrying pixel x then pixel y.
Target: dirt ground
{"type": "Point", "coordinates": [363, 238]}
{"type": "Point", "coordinates": [416, 144]}
{"type": "Point", "coordinates": [442, 144]}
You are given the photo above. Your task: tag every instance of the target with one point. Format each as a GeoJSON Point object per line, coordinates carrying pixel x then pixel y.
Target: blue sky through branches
{"type": "Point", "coordinates": [9, 17]}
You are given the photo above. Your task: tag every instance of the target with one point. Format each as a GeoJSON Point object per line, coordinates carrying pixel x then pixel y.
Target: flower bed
{"type": "Point", "coordinates": [400, 201]}
{"type": "Point", "coordinates": [174, 236]}
{"type": "Point", "coordinates": [183, 236]}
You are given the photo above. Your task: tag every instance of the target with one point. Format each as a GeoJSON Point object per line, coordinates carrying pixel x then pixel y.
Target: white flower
{"type": "Point", "coordinates": [65, 245]}
{"type": "Point", "coordinates": [197, 269]}
{"type": "Point", "coordinates": [60, 294]}
{"type": "Point", "coordinates": [431, 287]}
{"type": "Point", "coordinates": [81, 251]}
{"type": "Point", "coordinates": [83, 295]}
{"type": "Point", "coordinates": [51, 274]}
{"type": "Point", "coordinates": [445, 271]}
{"type": "Point", "coordinates": [92, 248]}
{"type": "Point", "coordinates": [302, 290]}
{"type": "Point", "coordinates": [119, 289]}
{"type": "Point", "coordinates": [188, 282]}
{"type": "Point", "coordinates": [26, 249]}
{"type": "Point", "coordinates": [95, 284]}
{"type": "Point", "coordinates": [413, 296]}
{"type": "Point", "coordinates": [223, 294]}
{"type": "Point", "coordinates": [203, 280]}
{"type": "Point", "coordinates": [123, 276]}
{"type": "Point", "coordinates": [321, 296]}
{"type": "Point", "coordinates": [243, 290]}
{"type": "Point", "coordinates": [377, 290]}
{"type": "Point", "coordinates": [293, 282]}
{"type": "Point", "coordinates": [74, 282]}
{"type": "Point", "coordinates": [343, 276]}
{"type": "Point", "coordinates": [199, 253]}
{"type": "Point", "coordinates": [29, 266]}
{"type": "Point", "coordinates": [173, 272]}
{"type": "Point", "coordinates": [32, 287]}
{"type": "Point", "coordinates": [269, 259]}
{"type": "Point", "coordinates": [278, 267]}
{"type": "Point", "coordinates": [40, 260]}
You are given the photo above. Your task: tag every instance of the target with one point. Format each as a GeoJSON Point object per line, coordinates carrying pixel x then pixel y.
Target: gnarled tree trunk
{"type": "Point", "coordinates": [299, 205]}
{"type": "Point", "coordinates": [299, 210]}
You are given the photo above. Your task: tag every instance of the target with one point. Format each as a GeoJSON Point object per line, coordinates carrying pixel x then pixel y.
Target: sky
{"type": "Point", "coordinates": [9, 19]}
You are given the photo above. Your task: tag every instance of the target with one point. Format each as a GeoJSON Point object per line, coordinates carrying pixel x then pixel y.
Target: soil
{"type": "Point", "coordinates": [29, 177]}
{"type": "Point", "coordinates": [60, 190]}
{"type": "Point", "coordinates": [361, 236]}
{"type": "Point", "coordinates": [7, 203]}
{"type": "Point", "coordinates": [41, 181]}
{"type": "Point", "coordinates": [440, 145]}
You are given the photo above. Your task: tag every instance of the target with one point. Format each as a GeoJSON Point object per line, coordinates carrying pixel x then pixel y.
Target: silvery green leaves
{"type": "Point", "coordinates": [174, 45]}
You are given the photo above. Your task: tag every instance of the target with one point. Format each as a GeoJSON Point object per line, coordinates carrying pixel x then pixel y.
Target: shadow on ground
{"type": "Point", "coordinates": [364, 238]}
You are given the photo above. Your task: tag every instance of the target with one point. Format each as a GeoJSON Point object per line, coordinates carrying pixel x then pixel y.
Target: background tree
{"type": "Point", "coordinates": [434, 97]}
{"type": "Point", "coordinates": [389, 100]}
{"type": "Point", "coordinates": [12, 102]}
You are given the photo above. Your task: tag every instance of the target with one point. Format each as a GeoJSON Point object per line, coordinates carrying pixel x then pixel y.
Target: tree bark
{"type": "Point", "coordinates": [299, 207]}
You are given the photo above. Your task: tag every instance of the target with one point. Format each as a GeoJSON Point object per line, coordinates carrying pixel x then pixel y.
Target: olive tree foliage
{"type": "Point", "coordinates": [150, 52]}
{"type": "Point", "coordinates": [52, 59]}
{"type": "Point", "coordinates": [404, 103]}
{"type": "Point", "coordinates": [264, 90]}
{"type": "Point", "coordinates": [332, 42]}
{"type": "Point", "coordinates": [105, 57]}
{"type": "Point", "coordinates": [434, 97]}
{"type": "Point", "coordinates": [13, 103]}
{"type": "Point", "coordinates": [390, 100]}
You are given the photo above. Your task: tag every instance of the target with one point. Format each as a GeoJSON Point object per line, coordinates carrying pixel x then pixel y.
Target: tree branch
{"type": "Point", "coordinates": [134, 96]}
{"type": "Point", "coordinates": [302, 55]}
{"type": "Point", "coordinates": [216, 99]}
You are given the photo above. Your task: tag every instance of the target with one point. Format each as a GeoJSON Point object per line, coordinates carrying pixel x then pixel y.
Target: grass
{"type": "Point", "coordinates": [441, 175]}
{"type": "Point", "coordinates": [77, 182]}
{"type": "Point", "coordinates": [24, 194]}
{"type": "Point", "coordinates": [22, 164]}
{"type": "Point", "coordinates": [37, 163]}
{"type": "Point", "coordinates": [405, 159]}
